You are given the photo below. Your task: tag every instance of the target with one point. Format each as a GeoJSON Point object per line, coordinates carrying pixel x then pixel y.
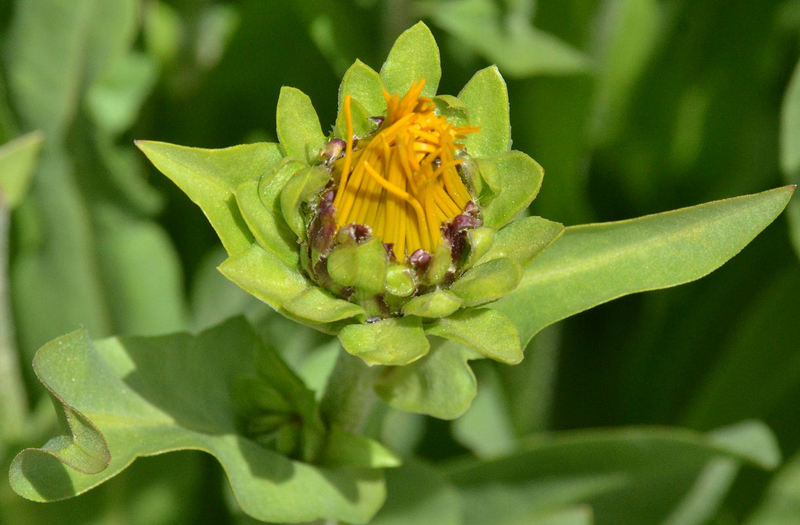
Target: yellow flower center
{"type": "Point", "coordinates": [402, 181]}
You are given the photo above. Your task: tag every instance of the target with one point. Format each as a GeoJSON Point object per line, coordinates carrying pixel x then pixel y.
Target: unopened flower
{"type": "Point", "coordinates": [399, 186]}
{"type": "Point", "coordinates": [406, 221]}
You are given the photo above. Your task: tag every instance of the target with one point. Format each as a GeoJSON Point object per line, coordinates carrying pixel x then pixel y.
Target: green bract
{"type": "Point", "coordinates": [261, 198]}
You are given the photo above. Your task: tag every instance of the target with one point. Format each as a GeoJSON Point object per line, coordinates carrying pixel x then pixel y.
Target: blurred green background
{"type": "Point", "coordinates": [632, 107]}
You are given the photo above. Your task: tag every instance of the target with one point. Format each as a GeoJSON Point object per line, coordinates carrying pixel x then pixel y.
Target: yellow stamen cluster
{"type": "Point", "coordinates": [402, 180]}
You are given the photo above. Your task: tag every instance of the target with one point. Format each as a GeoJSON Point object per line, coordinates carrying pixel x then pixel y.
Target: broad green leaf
{"type": "Point", "coordinates": [162, 31]}
{"type": "Point", "coordinates": [298, 126]}
{"type": "Point", "coordinates": [54, 279]}
{"type": "Point", "coordinates": [364, 84]}
{"type": "Point", "coordinates": [114, 99]}
{"type": "Point", "coordinates": [523, 239]}
{"type": "Point", "coordinates": [326, 19]}
{"type": "Point", "coordinates": [768, 323]}
{"type": "Point", "coordinates": [595, 263]}
{"type": "Point", "coordinates": [414, 56]}
{"type": "Point", "coordinates": [514, 179]}
{"type": "Point", "coordinates": [395, 341]}
{"type": "Point", "coordinates": [486, 98]}
{"type": "Point", "coordinates": [630, 31]}
{"type": "Point", "coordinates": [57, 48]}
{"type": "Point", "coordinates": [790, 128]}
{"type": "Point", "coordinates": [209, 177]}
{"type": "Point", "coordinates": [127, 173]}
{"type": "Point", "coordinates": [780, 504]}
{"type": "Point", "coordinates": [146, 396]}
{"type": "Point", "coordinates": [212, 299]}
{"type": "Point", "coordinates": [505, 39]}
{"type": "Point", "coordinates": [790, 148]}
{"type": "Point", "coordinates": [487, 282]}
{"type": "Point", "coordinates": [147, 493]}
{"type": "Point", "coordinates": [486, 428]}
{"type": "Point", "coordinates": [578, 515]}
{"type": "Point", "coordinates": [627, 475]}
{"type": "Point", "coordinates": [440, 384]}
{"type": "Point", "coordinates": [142, 275]}
{"type": "Point", "coordinates": [266, 225]}
{"type": "Point", "coordinates": [436, 304]}
{"type": "Point", "coordinates": [705, 496]}
{"type": "Point", "coordinates": [418, 494]}
{"type": "Point", "coordinates": [486, 331]}
{"type": "Point", "coordinates": [17, 163]}
{"type": "Point", "coordinates": [343, 449]}
{"type": "Point", "coordinates": [530, 387]}
{"type": "Point", "coordinates": [262, 274]}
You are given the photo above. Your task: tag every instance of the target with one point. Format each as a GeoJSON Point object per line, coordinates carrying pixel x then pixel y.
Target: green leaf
{"type": "Point", "coordinates": [768, 322]}
{"type": "Point", "coordinates": [579, 515]}
{"type": "Point", "coordinates": [413, 56]}
{"type": "Point", "coordinates": [55, 49]}
{"type": "Point", "coordinates": [262, 274]}
{"type": "Point", "coordinates": [631, 33]}
{"type": "Point", "coordinates": [505, 38]}
{"type": "Point", "coordinates": [144, 298]}
{"type": "Point", "coordinates": [147, 396]}
{"type": "Point", "coordinates": [514, 179]}
{"type": "Point", "coordinates": [114, 99]}
{"type": "Point", "coordinates": [435, 304]}
{"type": "Point", "coordinates": [486, 331]}
{"type": "Point", "coordinates": [266, 225]}
{"type": "Point", "coordinates": [440, 384]}
{"type": "Point", "coordinates": [523, 239]}
{"type": "Point", "coordinates": [418, 494]}
{"type": "Point", "coordinates": [343, 449]}
{"type": "Point", "coordinates": [595, 263]}
{"type": "Point", "coordinates": [790, 128]}
{"type": "Point", "coordinates": [394, 341]}
{"type": "Point", "coordinates": [486, 98]}
{"type": "Point", "coordinates": [298, 126]}
{"type": "Point", "coordinates": [364, 84]}
{"type": "Point", "coordinates": [780, 504]}
{"type": "Point", "coordinates": [325, 20]}
{"type": "Point", "coordinates": [487, 282]}
{"type": "Point", "coordinates": [17, 163]}
{"type": "Point", "coordinates": [147, 493]}
{"type": "Point", "coordinates": [790, 150]}
{"type": "Point", "coordinates": [319, 306]}
{"type": "Point", "coordinates": [611, 470]}
{"type": "Point", "coordinates": [209, 177]}
{"type": "Point", "coordinates": [486, 428]}
{"type": "Point", "coordinates": [55, 283]}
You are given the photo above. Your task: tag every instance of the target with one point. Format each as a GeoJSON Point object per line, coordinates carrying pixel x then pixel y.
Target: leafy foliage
{"type": "Point", "coordinates": [631, 106]}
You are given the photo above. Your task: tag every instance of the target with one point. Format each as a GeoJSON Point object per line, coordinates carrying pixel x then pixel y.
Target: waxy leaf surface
{"type": "Point", "coordinates": [130, 397]}
{"type": "Point", "coordinates": [595, 263]}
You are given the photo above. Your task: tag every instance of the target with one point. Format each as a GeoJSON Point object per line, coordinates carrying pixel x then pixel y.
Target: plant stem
{"type": "Point", "coordinates": [348, 396]}
{"type": "Point", "coordinates": [13, 408]}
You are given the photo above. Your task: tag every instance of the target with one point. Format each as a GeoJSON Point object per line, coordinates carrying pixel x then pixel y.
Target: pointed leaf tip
{"type": "Point", "coordinates": [413, 56]}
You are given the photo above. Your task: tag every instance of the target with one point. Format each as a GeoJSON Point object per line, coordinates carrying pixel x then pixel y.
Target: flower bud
{"type": "Point", "coordinates": [399, 187]}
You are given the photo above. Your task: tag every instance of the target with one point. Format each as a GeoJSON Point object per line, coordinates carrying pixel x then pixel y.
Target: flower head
{"type": "Point", "coordinates": [406, 221]}
{"type": "Point", "coordinates": [402, 181]}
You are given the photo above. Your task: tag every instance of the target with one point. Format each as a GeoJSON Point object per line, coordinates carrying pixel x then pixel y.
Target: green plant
{"type": "Point", "coordinates": [408, 330]}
